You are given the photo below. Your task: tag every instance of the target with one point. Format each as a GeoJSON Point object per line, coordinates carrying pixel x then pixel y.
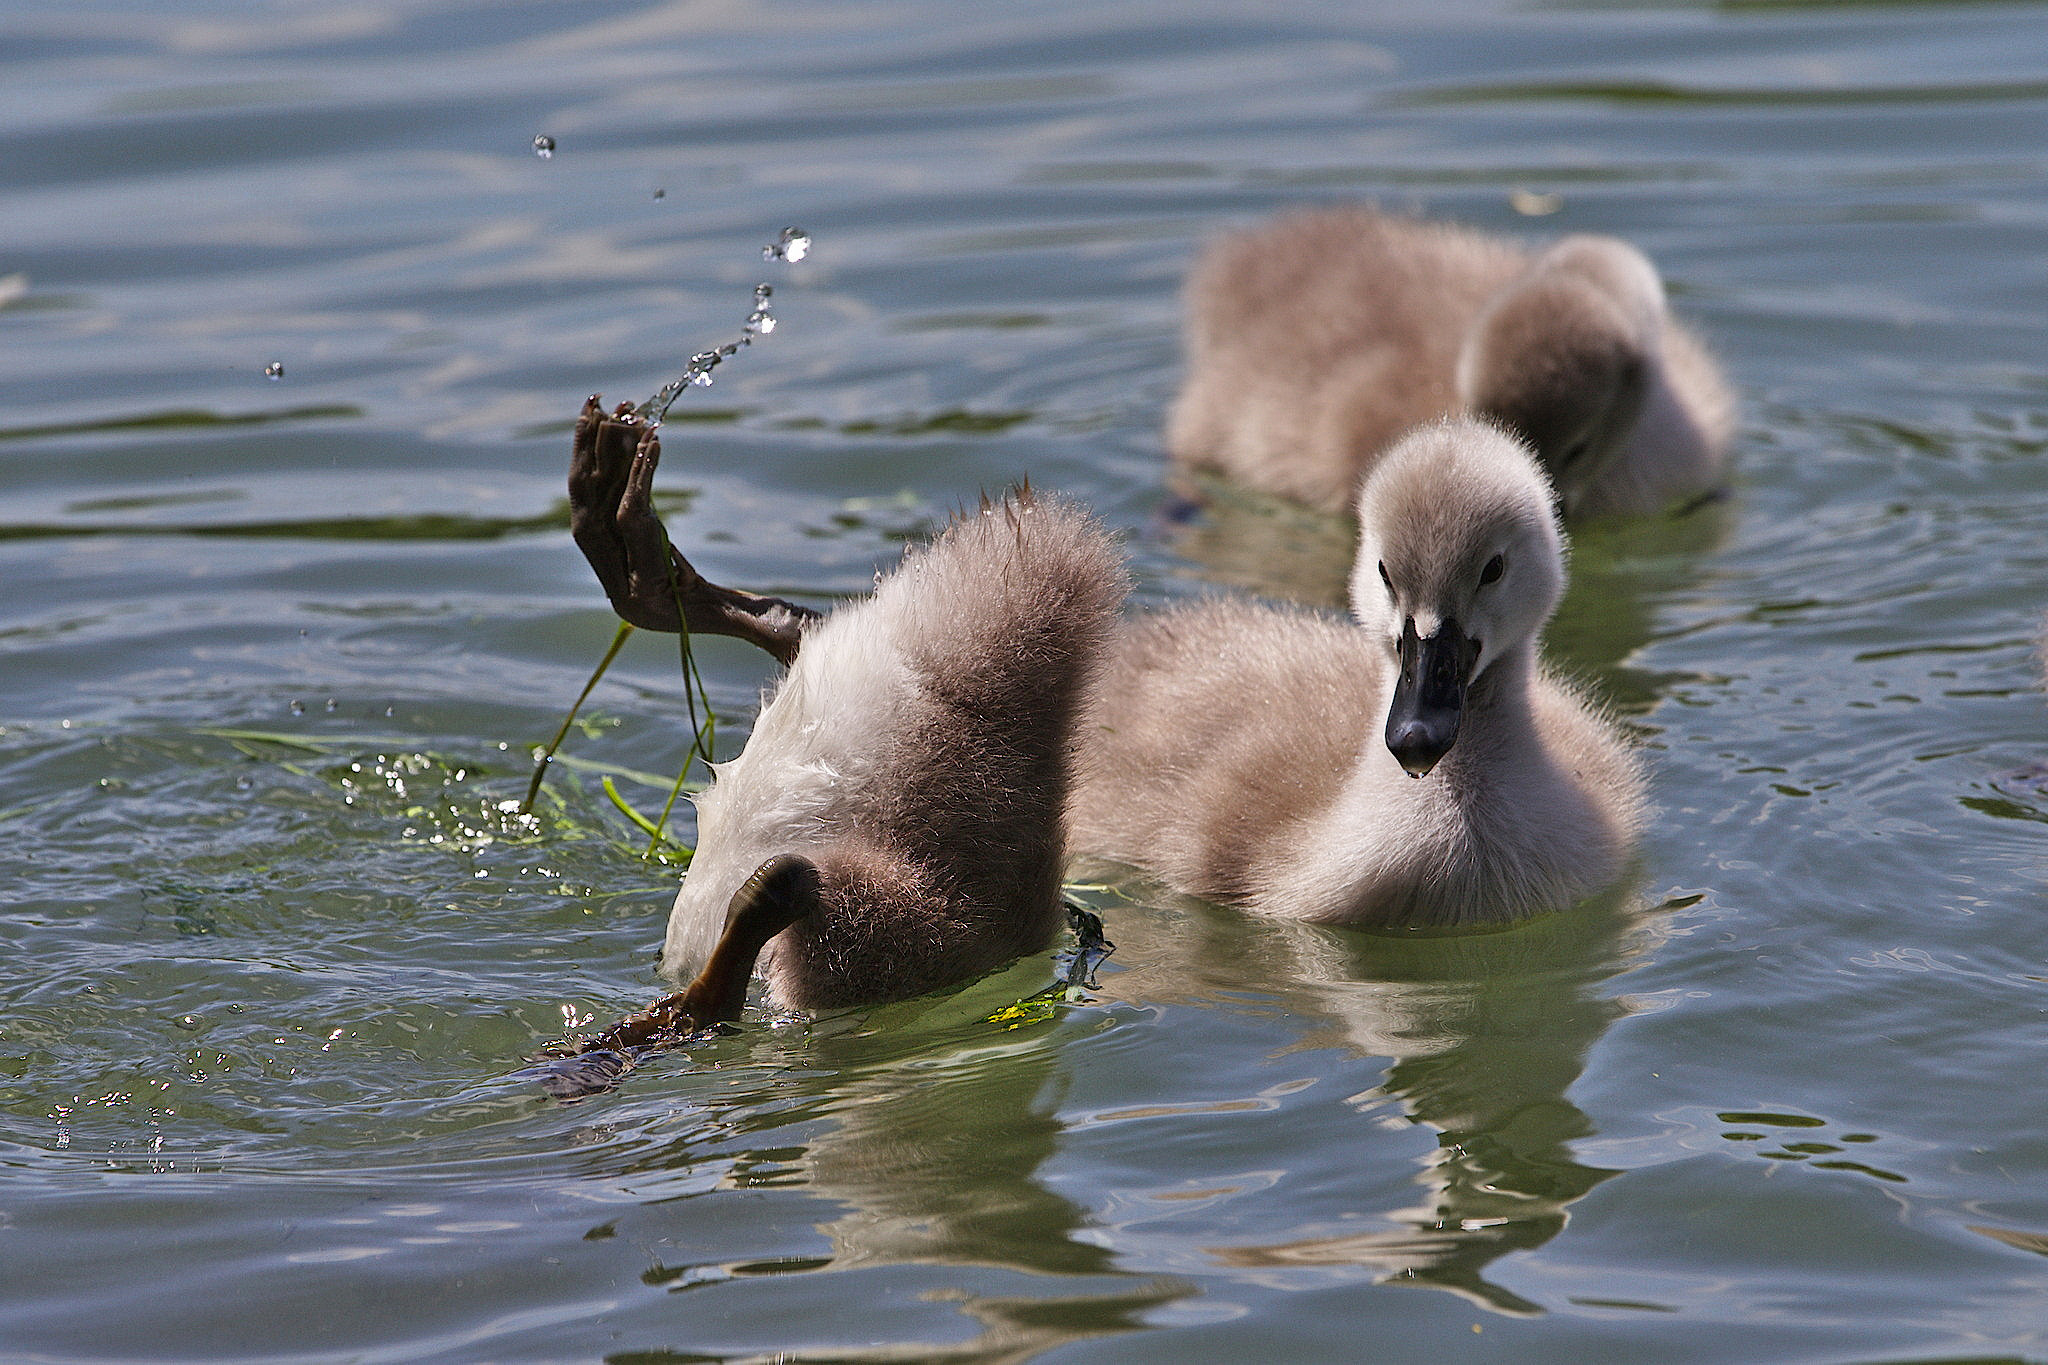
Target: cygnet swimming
{"type": "Point", "coordinates": [893, 825]}
{"type": "Point", "coordinates": [1318, 339]}
{"type": "Point", "coordinates": [1414, 767]}
{"type": "Point", "coordinates": [917, 756]}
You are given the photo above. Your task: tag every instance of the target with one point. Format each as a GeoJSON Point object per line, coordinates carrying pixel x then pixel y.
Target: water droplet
{"type": "Point", "coordinates": [792, 245]}
{"type": "Point", "coordinates": [274, 370]}
{"type": "Point", "coordinates": [700, 368]}
{"type": "Point", "coordinates": [543, 146]}
{"type": "Point", "coordinates": [697, 374]}
{"type": "Point", "coordinates": [188, 1021]}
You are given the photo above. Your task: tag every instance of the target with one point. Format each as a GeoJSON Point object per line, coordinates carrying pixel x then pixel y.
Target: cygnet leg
{"type": "Point", "coordinates": [782, 891]}
{"type": "Point", "coordinates": [650, 584]}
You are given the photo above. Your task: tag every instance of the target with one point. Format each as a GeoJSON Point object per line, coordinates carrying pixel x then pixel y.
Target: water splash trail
{"type": "Point", "coordinates": [792, 245]}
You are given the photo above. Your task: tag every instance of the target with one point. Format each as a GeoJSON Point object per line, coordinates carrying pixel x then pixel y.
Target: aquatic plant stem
{"type": "Point", "coordinates": [703, 733]}
{"type": "Point", "coordinates": [547, 756]}
{"type": "Point", "coordinates": [627, 809]}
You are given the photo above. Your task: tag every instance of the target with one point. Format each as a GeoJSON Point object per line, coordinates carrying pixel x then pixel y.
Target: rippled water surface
{"type": "Point", "coordinates": [274, 650]}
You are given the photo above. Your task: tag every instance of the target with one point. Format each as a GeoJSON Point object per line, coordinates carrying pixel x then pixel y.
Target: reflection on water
{"type": "Point", "coordinates": [935, 1148]}
{"type": "Point", "coordinates": [1243, 539]}
{"type": "Point", "coordinates": [1484, 1035]}
{"type": "Point", "coordinates": [921, 1139]}
{"type": "Point", "coordinates": [1488, 1036]}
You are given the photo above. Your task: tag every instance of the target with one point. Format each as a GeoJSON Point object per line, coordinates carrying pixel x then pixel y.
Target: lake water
{"type": "Point", "coordinates": [274, 650]}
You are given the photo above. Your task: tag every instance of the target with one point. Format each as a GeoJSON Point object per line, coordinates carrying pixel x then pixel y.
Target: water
{"type": "Point", "coordinates": [792, 245]}
{"type": "Point", "coordinates": [697, 374]}
{"type": "Point", "coordinates": [274, 965]}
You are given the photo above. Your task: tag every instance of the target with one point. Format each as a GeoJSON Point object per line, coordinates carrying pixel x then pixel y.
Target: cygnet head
{"type": "Point", "coordinates": [1565, 355]}
{"type": "Point", "coordinates": [1460, 563]}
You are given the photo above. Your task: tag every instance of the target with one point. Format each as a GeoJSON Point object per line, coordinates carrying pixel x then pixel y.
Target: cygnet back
{"type": "Point", "coordinates": [919, 753]}
{"type": "Point", "coordinates": [1316, 340]}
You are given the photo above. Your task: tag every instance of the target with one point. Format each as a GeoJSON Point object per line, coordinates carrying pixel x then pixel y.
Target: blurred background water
{"type": "Point", "coordinates": [273, 651]}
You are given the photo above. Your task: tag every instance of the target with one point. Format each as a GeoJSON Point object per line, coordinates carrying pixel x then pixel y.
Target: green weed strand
{"type": "Point", "coordinates": [547, 756]}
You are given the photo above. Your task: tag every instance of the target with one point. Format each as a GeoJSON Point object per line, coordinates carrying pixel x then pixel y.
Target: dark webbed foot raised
{"type": "Point", "coordinates": [612, 517]}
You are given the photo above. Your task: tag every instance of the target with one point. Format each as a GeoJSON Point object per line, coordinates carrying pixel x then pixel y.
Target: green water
{"type": "Point", "coordinates": [274, 653]}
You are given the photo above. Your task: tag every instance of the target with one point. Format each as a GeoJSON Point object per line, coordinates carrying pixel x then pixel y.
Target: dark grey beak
{"type": "Point", "coordinates": [1429, 700]}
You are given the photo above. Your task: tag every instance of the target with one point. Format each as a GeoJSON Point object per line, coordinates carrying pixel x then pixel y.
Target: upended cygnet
{"type": "Point", "coordinates": [1316, 340]}
{"type": "Point", "coordinates": [917, 755]}
{"type": "Point", "coordinates": [893, 825]}
{"type": "Point", "coordinates": [1415, 767]}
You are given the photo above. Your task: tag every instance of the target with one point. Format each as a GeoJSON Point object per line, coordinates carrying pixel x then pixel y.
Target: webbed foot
{"type": "Point", "coordinates": [650, 584]}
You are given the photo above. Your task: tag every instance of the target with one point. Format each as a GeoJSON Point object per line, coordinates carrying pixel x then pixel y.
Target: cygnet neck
{"type": "Point", "coordinates": [1499, 718]}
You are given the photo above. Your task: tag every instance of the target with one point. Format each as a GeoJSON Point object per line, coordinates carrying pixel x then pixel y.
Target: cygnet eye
{"type": "Point", "coordinates": [1386, 577]}
{"type": "Point", "coordinates": [1495, 567]}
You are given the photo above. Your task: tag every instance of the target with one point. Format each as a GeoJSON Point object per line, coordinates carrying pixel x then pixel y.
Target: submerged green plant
{"type": "Point", "coordinates": [445, 798]}
{"type": "Point", "coordinates": [632, 812]}
{"type": "Point", "coordinates": [547, 753]}
{"type": "Point", "coordinates": [703, 736]}
{"type": "Point", "coordinates": [703, 732]}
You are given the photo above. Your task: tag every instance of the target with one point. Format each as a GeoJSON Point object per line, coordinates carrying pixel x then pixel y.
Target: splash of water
{"type": "Point", "coordinates": [792, 245]}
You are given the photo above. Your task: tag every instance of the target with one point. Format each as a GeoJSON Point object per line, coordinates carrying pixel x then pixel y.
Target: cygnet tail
{"type": "Point", "coordinates": [953, 866]}
{"type": "Point", "coordinates": [1003, 621]}
{"type": "Point", "coordinates": [1007, 609]}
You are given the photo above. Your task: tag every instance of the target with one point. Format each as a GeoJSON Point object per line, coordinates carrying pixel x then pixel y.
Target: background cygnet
{"type": "Point", "coordinates": [917, 754]}
{"type": "Point", "coordinates": [1317, 339]}
{"type": "Point", "coordinates": [1414, 767]}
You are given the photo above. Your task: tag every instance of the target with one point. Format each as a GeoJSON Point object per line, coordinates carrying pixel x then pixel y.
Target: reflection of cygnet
{"type": "Point", "coordinates": [1484, 1035]}
{"type": "Point", "coordinates": [916, 756]}
{"type": "Point", "coordinates": [1414, 767]}
{"type": "Point", "coordinates": [1315, 341]}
